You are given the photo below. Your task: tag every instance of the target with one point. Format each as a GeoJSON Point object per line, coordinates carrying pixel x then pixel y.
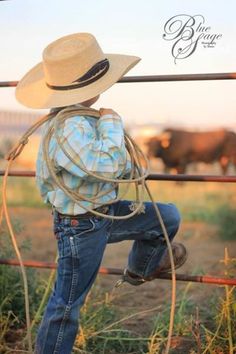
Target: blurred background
{"type": "Point", "coordinates": [136, 28]}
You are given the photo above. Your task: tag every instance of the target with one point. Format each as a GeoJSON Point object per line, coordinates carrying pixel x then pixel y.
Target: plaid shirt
{"type": "Point", "coordinates": [97, 144]}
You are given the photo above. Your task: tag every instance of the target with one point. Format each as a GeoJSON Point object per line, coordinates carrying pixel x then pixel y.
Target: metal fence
{"type": "Point", "coordinates": [152, 176]}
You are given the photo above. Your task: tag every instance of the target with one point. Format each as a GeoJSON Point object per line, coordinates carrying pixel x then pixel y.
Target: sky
{"type": "Point", "coordinates": [134, 27]}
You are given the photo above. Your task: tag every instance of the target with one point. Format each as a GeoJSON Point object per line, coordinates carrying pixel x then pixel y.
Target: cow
{"type": "Point", "coordinates": [229, 152]}
{"type": "Point", "coordinates": [178, 148]}
{"type": "Point", "coordinates": [5, 145]}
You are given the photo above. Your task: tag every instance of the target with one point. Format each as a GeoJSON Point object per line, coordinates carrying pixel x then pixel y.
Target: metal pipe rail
{"type": "Point", "coordinates": [159, 78]}
{"type": "Point", "coordinates": [114, 271]}
{"type": "Point", "coordinates": [151, 177]}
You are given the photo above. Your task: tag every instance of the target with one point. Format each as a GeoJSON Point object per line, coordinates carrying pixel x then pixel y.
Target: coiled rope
{"type": "Point", "coordinates": [137, 177]}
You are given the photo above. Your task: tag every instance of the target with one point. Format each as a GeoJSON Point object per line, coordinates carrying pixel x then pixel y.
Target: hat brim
{"type": "Point", "coordinates": [33, 92]}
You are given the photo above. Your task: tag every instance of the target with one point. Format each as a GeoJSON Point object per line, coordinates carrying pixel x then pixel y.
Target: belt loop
{"type": "Point", "coordinates": [56, 214]}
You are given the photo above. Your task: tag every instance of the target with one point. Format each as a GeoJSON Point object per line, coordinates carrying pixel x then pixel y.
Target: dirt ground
{"type": "Point", "coordinates": [205, 252]}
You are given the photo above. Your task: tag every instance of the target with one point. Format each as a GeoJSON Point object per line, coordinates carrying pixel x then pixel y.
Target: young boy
{"type": "Point", "coordinates": [74, 72]}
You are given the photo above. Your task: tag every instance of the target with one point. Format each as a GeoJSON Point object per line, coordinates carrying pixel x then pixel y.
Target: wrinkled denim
{"type": "Point", "coordinates": [81, 244]}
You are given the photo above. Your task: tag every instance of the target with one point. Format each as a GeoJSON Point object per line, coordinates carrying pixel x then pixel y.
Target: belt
{"type": "Point", "coordinates": [102, 209]}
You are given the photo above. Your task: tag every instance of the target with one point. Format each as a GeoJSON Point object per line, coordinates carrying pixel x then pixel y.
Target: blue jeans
{"type": "Point", "coordinates": [81, 244]}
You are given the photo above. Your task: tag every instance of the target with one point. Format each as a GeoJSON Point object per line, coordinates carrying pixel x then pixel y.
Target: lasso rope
{"type": "Point", "coordinates": [137, 177]}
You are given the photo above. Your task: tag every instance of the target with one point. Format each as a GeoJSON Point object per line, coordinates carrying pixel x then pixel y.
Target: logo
{"type": "Point", "coordinates": [187, 33]}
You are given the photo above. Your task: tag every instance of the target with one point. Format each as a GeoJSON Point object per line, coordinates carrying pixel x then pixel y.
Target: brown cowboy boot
{"type": "Point", "coordinates": [180, 256]}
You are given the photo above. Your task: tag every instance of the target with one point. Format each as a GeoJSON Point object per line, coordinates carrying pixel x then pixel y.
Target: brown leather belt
{"type": "Point", "coordinates": [102, 209]}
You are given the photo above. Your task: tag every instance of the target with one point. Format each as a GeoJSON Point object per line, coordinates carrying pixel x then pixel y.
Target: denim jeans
{"type": "Point", "coordinates": [81, 244]}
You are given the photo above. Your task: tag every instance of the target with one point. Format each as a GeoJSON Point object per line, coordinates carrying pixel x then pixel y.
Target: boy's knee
{"type": "Point", "coordinates": [175, 216]}
{"type": "Point", "coordinates": [173, 219]}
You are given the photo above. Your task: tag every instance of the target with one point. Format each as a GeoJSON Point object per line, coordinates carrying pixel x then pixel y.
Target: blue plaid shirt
{"type": "Point", "coordinates": [97, 144]}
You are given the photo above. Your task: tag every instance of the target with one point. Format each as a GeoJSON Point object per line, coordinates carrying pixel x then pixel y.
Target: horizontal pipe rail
{"type": "Point", "coordinates": [179, 77]}
{"type": "Point", "coordinates": [159, 78]}
{"type": "Point", "coordinates": [114, 271]}
{"type": "Point", "coordinates": [191, 178]}
{"type": "Point", "coordinates": [152, 177]}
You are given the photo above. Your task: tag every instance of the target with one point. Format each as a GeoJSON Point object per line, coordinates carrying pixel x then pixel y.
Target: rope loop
{"type": "Point", "coordinates": [137, 176]}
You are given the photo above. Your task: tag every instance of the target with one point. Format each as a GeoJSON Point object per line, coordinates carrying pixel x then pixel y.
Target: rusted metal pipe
{"type": "Point", "coordinates": [18, 173]}
{"type": "Point", "coordinates": [159, 78]}
{"type": "Point", "coordinates": [180, 77]}
{"type": "Point", "coordinates": [8, 83]}
{"type": "Point", "coordinates": [114, 271]}
{"type": "Point", "coordinates": [152, 177]}
{"type": "Point", "coordinates": [191, 178]}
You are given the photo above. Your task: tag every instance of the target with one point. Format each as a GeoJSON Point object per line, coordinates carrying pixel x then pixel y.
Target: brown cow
{"type": "Point", "coordinates": [229, 152]}
{"type": "Point", "coordinates": [178, 148]}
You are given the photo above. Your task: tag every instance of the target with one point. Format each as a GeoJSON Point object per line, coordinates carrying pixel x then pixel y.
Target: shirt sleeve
{"type": "Point", "coordinates": [100, 150]}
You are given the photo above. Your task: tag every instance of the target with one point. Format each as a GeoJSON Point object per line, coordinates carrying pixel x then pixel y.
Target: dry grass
{"type": "Point", "coordinates": [200, 327]}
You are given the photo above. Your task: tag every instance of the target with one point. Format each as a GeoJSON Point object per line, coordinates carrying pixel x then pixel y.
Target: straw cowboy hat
{"type": "Point", "coordinates": [74, 69]}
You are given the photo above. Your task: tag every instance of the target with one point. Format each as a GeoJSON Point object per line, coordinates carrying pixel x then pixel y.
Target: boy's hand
{"type": "Point", "coordinates": [104, 111]}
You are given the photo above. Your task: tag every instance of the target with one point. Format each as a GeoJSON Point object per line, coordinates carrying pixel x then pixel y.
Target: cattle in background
{"type": "Point", "coordinates": [229, 152]}
{"type": "Point", "coordinates": [5, 146]}
{"type": "Point", "coordinates": [178, 148]}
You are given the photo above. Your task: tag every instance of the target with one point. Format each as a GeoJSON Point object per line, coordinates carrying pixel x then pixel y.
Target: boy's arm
{"type": "Point", "coordinates": [101, 151]}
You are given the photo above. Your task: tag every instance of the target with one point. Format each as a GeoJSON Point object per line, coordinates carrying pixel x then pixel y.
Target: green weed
{"type": "Point", "coordinates": [225, 218]}
{"type": "Point", "coordinates": [12, 308]}
{"type": "Point", "coordinates": [101, 330]}
{"type": "Point", "coordinates": [22, 191]}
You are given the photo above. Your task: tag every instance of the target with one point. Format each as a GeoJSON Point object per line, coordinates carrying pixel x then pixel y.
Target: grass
{"type": "Point", "coordinates": [225, 217]}
{"type": "Point", "coordinates": [102, 329]}
{"type": "Point", "coordinates": [197, 201]}
{"type": "Point", "coordinates": [206, 328]}
{"type": "Point", "coordinates": [22, 192]}
{"type": "Point", "coordinates": [210, 329]}
{"type": "Point", "coordinates": [12, 308]}
{"type": "Point", "coordinates": [213, 203]}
